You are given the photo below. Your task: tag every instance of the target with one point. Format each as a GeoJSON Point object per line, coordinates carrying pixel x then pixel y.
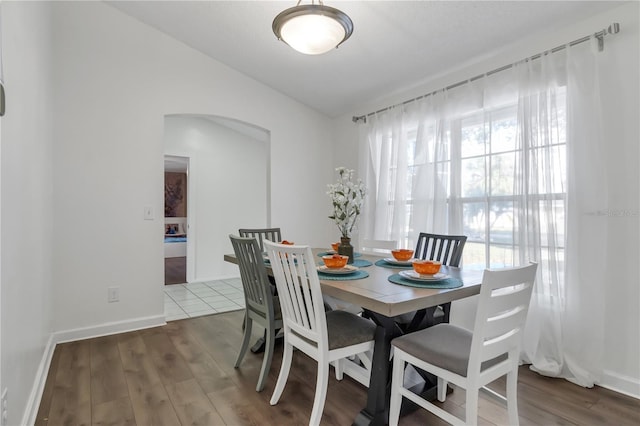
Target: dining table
{"type": "Point", "coordinates": [381, 300]}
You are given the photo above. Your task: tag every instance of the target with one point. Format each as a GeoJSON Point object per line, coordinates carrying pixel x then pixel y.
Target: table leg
{"type": "Point", "coordinates": [258, 347]}
{"type": "Point", "coordinates": [377, 410]}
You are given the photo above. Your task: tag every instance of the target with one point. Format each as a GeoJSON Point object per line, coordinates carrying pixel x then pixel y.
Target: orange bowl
{"type": "Point", "coordinates": [335, 261]}
{"type": "Point", "coordinates": [334, 246]}
{"type": "Point", "coordinates": [289, 243]}
{"type": "Point", "coordinates": [426, 267]}
{"type": "Point", "coordinates": [402, 255]}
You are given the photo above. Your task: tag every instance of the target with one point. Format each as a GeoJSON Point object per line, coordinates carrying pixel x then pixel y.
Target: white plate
{"type": "Point", "coordinates": [393, 261]}
{"type": "Point", "coordinates": [348, 269]}
{"type": "Point", "coordinates": [413, 275]}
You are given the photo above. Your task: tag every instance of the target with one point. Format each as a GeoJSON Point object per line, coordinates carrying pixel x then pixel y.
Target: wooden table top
{"type": "Point", "coordinates": [376, 293]}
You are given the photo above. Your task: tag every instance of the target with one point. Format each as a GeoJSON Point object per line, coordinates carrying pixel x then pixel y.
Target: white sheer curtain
{"type": "Point", "coordinates": [408, 166]}
{"type": "Point", "coordinates": [564, 336]}
{"type": "Point", "coordinates": [512, 157]}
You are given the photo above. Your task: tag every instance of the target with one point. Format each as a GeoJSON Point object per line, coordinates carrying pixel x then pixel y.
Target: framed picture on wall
{"type": "Point", "coordinates": [175, 194]}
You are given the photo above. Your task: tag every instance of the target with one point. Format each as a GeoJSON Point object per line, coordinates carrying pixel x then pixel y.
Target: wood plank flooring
{"type": "Point", "coordinates": [175, 270]}
{"type": "Point", "coordinates": [182, 374]}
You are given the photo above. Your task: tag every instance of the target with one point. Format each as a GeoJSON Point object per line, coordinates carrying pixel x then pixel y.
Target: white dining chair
{"type": "Point", "coordinates": [326, 337]}
{"type": "Point", "coordinates": [467, 359]}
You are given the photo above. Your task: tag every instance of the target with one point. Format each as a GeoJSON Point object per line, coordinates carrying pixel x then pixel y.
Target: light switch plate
{"type": "Point", "coordinates": [113, 294]}
{"type": "Point", "coordinates": [149, 214]}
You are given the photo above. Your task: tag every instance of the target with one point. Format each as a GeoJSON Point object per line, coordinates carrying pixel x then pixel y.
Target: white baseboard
{"type": "Point", "coordinates": [109, 328]}
{"type": "Point", "coordinates": [33, 403]}
{"type": "Point", "coordinates": [216, 278]}
{"type": "Point", "coordinates": [626, 385]}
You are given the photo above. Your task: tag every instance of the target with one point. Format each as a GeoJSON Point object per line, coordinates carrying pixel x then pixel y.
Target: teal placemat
{"type": "Point", "coordinates": [357, 275]}
{"type": "Point", "coordinates": [384, 264]}
{"type": "Point", "coordinates": [445, 283]}
{"type": "Point", "coordinates": [329, 253]}
{"type": "Point", "coordinates": [359, 263]}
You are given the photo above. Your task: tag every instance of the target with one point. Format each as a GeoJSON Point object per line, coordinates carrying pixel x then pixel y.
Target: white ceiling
{"type": "Point", "coordinates": [395, 44]}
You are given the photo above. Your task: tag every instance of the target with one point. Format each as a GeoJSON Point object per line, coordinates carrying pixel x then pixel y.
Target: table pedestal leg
{"type": "Point", "coordinates": [258, 347]}
{"type": "Point", "coordinates": [377, 410]}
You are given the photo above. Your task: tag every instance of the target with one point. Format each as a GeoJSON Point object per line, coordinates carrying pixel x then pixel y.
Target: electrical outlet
{"type": "Point", "coordinates": [113, 294]}
{"type": "Point", "coordinates": [4, 407]}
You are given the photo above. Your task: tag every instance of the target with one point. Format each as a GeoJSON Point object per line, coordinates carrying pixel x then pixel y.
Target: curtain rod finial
{"type": "Point", "coordinates": [362, 117]}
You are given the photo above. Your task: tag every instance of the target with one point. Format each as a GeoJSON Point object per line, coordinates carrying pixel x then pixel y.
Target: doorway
{"type": "Point", "coordinates": [228, 175]}
{"type": "Point", "coordinates": [176, 214]}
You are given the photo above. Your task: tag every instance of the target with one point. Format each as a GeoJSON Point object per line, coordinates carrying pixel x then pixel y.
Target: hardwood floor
{"type": "Point", "coordinates": [182, 374]}
{"type": "Point", "coordinates": [175, 270]}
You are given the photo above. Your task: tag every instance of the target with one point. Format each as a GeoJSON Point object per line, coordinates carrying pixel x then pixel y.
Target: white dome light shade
{"type": "Point", "coordinates": [312, 29]}
{"type": "Point", "coordinates": [312, 34]}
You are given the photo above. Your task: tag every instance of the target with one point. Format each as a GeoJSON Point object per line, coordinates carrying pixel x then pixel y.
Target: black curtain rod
{"type": "Point", "coordinates": [612, 29]}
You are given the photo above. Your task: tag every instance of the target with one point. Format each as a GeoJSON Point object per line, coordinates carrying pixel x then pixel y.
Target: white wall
{"type": "Point", "coordinates": [619, 81]}
{"type": "Point", "coordinates": [228, 187]}
{"type": "Point", "coordinates": [26, 228]}
{"type": "Point", "coordinates": [72, 217]}
{"type": "Point", "coordinates": [113, 91]}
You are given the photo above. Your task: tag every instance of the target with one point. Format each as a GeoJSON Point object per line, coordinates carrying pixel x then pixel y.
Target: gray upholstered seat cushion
{"type": "Point", "coordinates": [345, 329]}
{"type": "Point", "coordinates": [443, 345]}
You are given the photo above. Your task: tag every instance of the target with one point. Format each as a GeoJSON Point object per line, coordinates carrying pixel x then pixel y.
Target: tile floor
{"type": "Point", "coordinates": [202, 298]}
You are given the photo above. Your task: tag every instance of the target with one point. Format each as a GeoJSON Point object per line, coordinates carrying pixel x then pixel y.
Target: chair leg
{"type": "Point", "coordinates": [512, 396]}
{"type": "Point", "coordinates": [338, 365]}
{"type": "Point", "coordinates": [266, 358]}
{"type": "Point", "coordinates": [442, 389]}
{"type": "Point", "coordinates": [287, 356]}
{"type": "Point", "coordinates": [245, 340]}
{"type": "Point", "coordinates": [397, 381]}
{"type": "Point", "coordinates": [322, 382]}
{"type": "Point", "coordinates": [472, 405]}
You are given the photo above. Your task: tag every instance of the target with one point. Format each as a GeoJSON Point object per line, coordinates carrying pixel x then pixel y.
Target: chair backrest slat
{"type": "Point", "coordinates": [253, 274]}
{"type": "Point", "coordinates": [502, 311]}
{"type": "Point", "coordinates": [299, 291]}
{"type": "Point", "coordinates": [499, 327]}
{"type": "Point", "coordinates": [502, 301]}
{"type": "Point", "coordinates": [444, 248]}
{"type": "Point", "coordinates": [262, 234]}
{"type": "Point", "coordinates": [292, 293]}
{"type": "Point", "coordinates": [500, 347]}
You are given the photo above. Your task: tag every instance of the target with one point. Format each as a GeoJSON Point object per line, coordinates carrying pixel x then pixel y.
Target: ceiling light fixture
{"type": "Point", "coordinates": [312, 29]}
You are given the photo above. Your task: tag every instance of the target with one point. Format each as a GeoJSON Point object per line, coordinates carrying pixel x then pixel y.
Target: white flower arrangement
{"type": "Point", "coordinates": [347, 198]}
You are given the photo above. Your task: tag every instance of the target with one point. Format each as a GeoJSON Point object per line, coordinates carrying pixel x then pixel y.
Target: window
{"type": "Point", "coordinates": [485, 169]}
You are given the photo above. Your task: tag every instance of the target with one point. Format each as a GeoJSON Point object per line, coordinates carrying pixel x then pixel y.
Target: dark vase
{"type": "Point", "coordinates": [345, 248]}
